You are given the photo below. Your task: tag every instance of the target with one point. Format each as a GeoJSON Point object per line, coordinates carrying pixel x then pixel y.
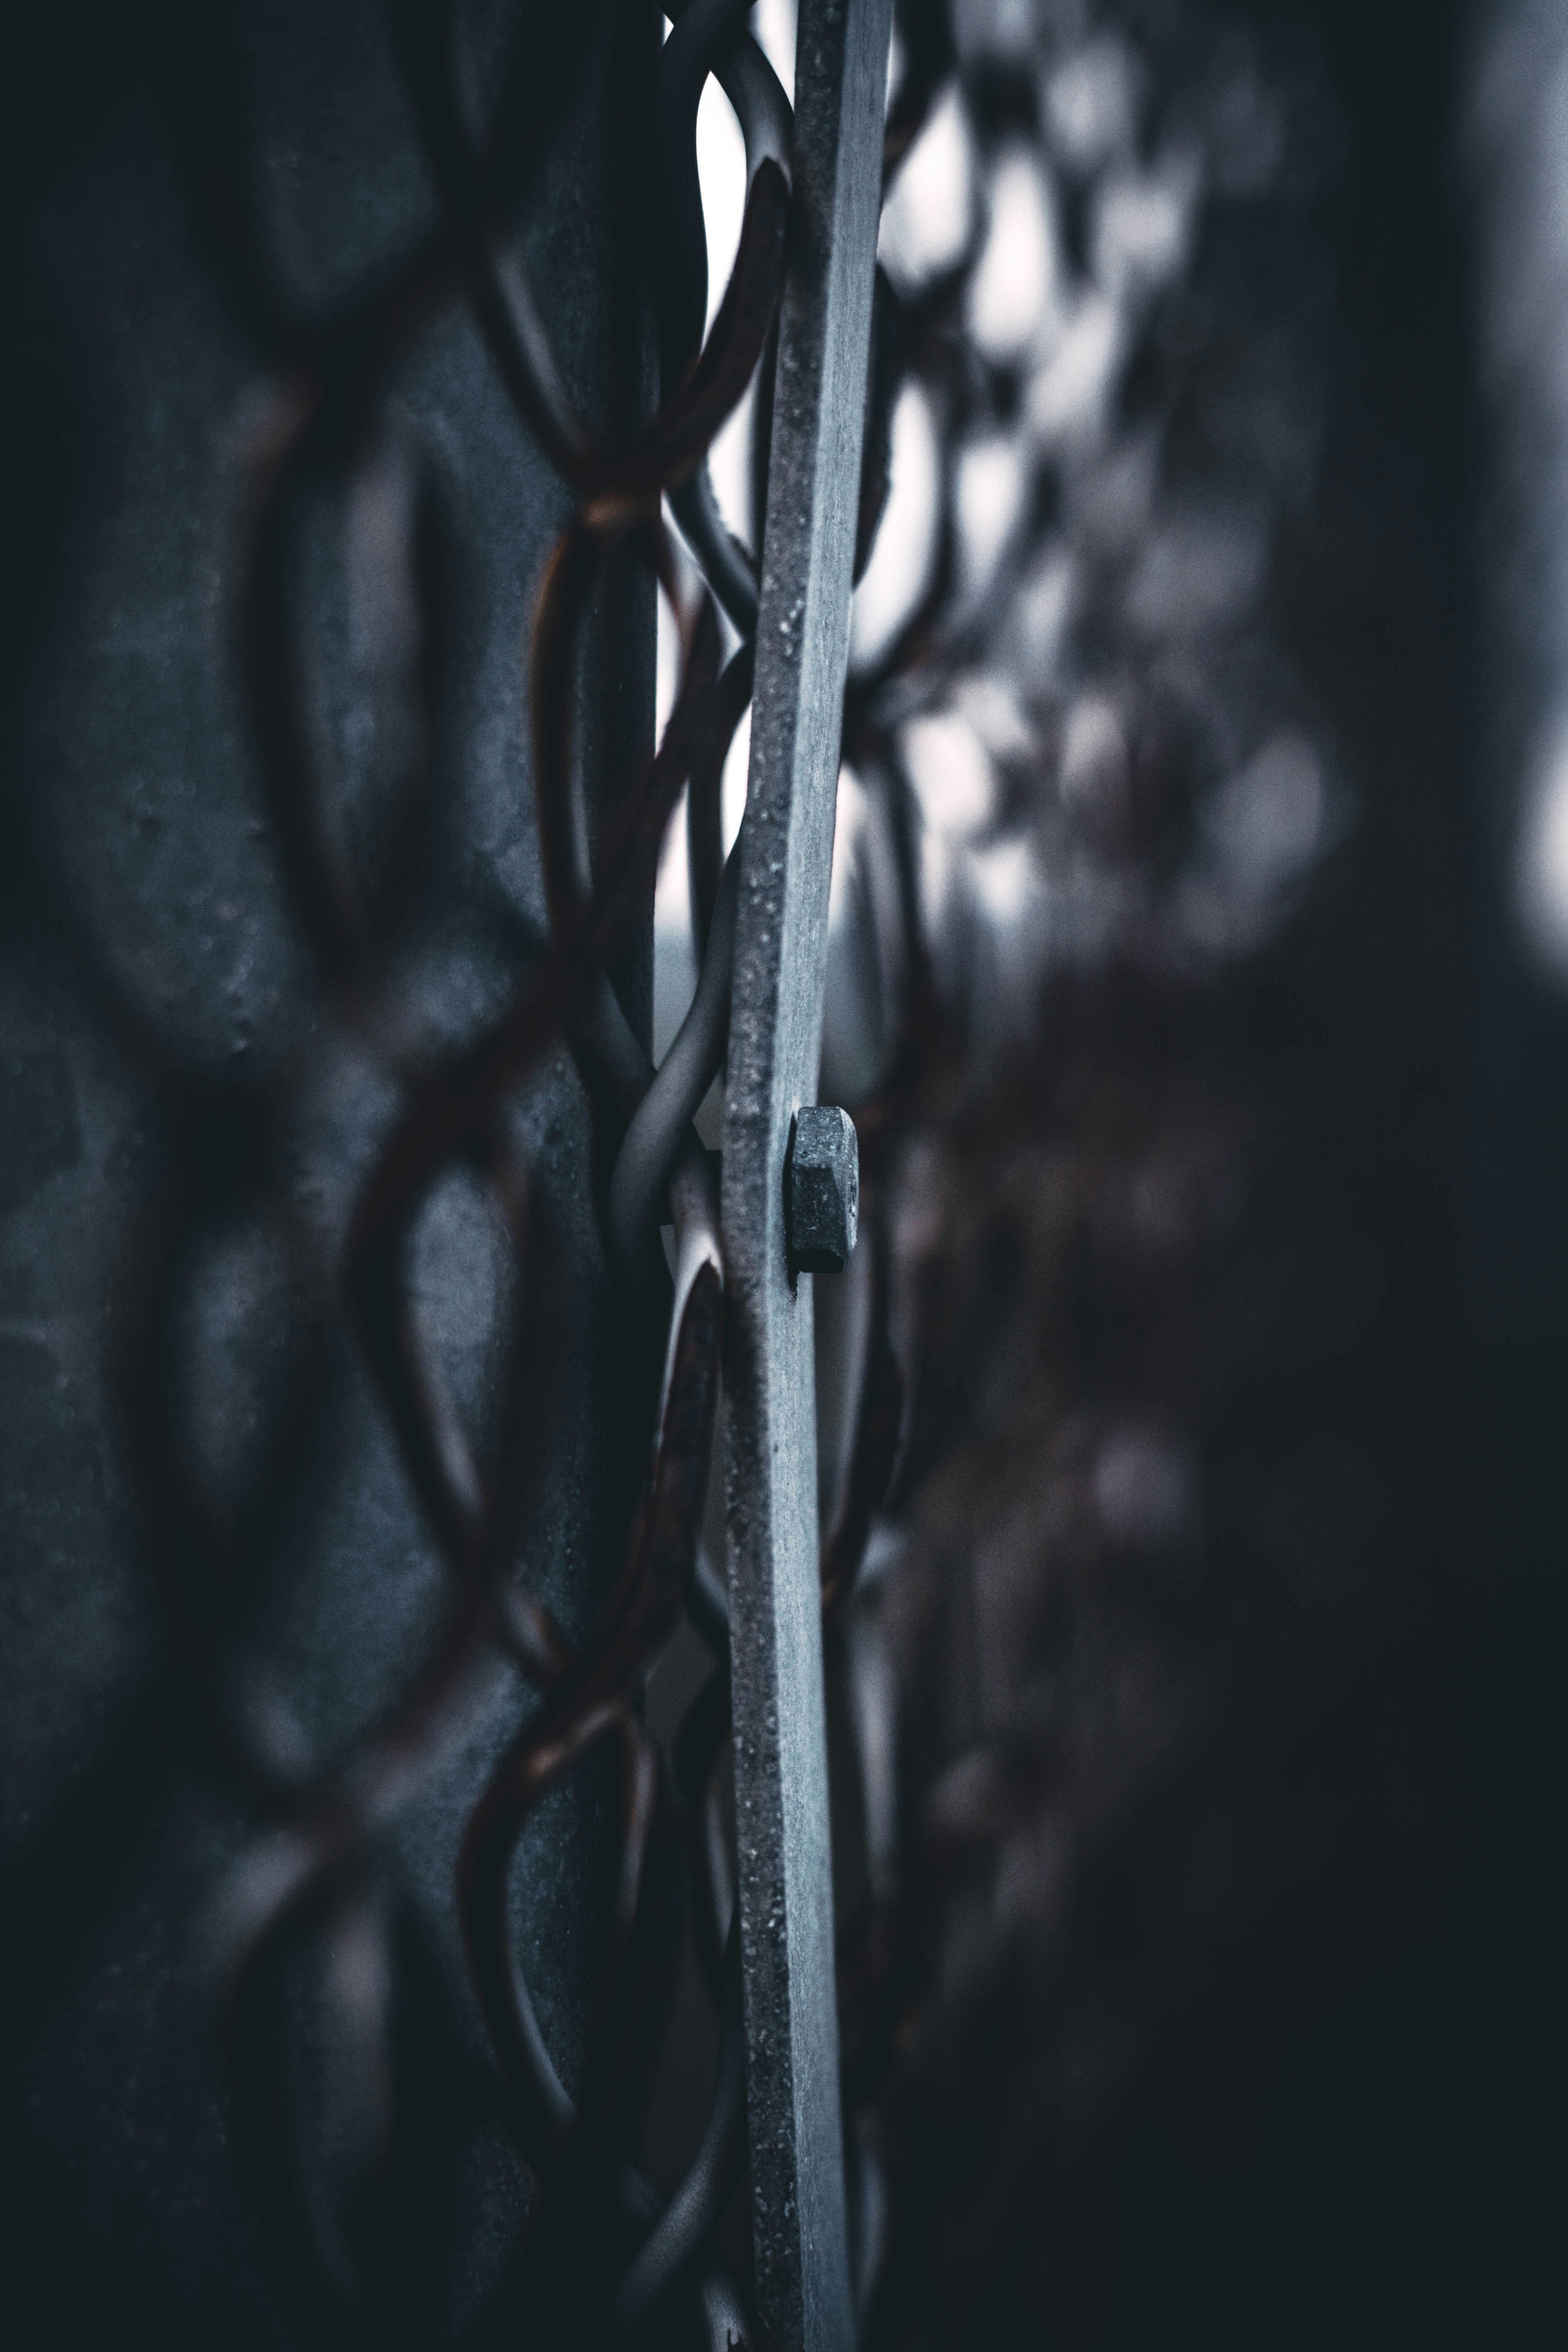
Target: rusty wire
{"type": "Point", "coordinates": [313, 1856]}
{"type": "Point", "coordinates": [308, 1883]}
{"type": "Point", "coordinates": [637, 2264]}
{"type": "Point", "coordinates": [312, 1872]}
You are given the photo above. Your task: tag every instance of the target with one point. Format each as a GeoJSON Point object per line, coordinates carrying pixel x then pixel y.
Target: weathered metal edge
{"type": "Point", "coordinates": [803, 637]}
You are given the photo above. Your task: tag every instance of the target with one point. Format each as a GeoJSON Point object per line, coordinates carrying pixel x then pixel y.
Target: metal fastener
{"type": "Point", "coordinates": [822, 1190]}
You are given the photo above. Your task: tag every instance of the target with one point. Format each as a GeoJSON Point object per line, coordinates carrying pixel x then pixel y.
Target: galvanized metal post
{"type": "Point", "coordinates": [802, 636]}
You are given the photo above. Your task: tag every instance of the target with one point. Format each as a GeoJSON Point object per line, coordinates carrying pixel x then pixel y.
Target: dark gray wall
{"type": "Point", "coordinates": [211, 1552]}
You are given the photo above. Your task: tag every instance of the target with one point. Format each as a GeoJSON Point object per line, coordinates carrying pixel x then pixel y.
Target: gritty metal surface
{"type": "Point", "coordinates": [822, 1190]}
{"type": "Point", "coordinates": [802, 2285]}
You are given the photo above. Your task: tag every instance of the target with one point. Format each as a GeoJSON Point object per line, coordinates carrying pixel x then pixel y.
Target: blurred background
{"type": "Point", "coordinates": [1198, 981]}
{"type": "Point", "coordinates": [1205, 677]}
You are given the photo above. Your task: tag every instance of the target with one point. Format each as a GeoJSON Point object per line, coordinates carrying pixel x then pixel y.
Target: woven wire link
{"type": "Point", "coordinates": [309, 1881]}
{"type": "Point", "coordinates": [303, 1932]}
{"type": "Point", "coordinates": [1060, 740]}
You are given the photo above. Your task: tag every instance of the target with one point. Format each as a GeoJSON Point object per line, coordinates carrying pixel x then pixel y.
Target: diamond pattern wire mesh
{"type": "Point", "coordinates": [1152, 815]}
{"type": "Point", "coordinates": [237, 1265]}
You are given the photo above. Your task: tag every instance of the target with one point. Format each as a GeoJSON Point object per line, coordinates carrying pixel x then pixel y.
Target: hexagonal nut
{"type": "Point", "coordinates": [822, 1192]}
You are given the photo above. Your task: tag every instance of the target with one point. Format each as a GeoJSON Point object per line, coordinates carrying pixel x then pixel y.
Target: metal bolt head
{"type": "Point", "coordinates": [822, 1190]}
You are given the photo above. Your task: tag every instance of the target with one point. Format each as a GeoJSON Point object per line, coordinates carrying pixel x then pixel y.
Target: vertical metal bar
{"type": "Point", "coordinates": [803, 637]}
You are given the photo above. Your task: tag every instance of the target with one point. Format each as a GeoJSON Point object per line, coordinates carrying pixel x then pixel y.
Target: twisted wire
{"type": "Point", "coordinates": [308, 1886]}
{"type": "Point", "coordinates": [313, 1860]}
{"type": "Point", "coordinates": [313, 1874]}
